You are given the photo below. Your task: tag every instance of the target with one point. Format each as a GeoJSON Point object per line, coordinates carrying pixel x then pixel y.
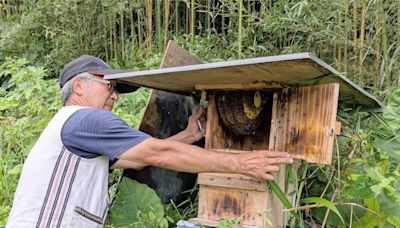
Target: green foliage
{"type": "Point", "coordinates": [281, 196]}
{"type": "Point", "coordinates": [130, 107]}
{"type": "Point", "coordinates": [137, 205]}
{"type": "Point", "coordinates": [27, 103]}
{"type": "Point", "coordinates": [229, 222]}
{"type": "Point", "coordinates": [325, 203]}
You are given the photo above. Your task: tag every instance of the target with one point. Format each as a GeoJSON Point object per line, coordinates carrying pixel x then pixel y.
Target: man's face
{"type": "Point", "coordinates": [100, 93]}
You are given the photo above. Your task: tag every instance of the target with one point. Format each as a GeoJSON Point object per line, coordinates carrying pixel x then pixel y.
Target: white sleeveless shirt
{"type": "Point", "coordinates": [58, 188]}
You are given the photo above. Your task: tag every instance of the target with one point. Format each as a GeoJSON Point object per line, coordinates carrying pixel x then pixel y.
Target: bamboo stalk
{"type": "Point", "coordinates": [192, 16]}
{"type": "Point", "coordinates": [187, 19]}
{"type": "Point", "coordinates": [213, 14]}
{"type": "Point", "coordinates": [122, 33]}
{"type": "Point", "coordinates": [362, 36]}
{"type": "Point", "coordinates": [133, 29]}
{"type": "Point", "coordinates": [114, 18]}
{"type": "Point", "coordinates": [158, 26]}
{"type": "Point", "coordinates": [398, 38]}
{"type": "Point", "coordinates": [385, 49]}
{"type": "Point", "coordinates": [240, 28]}
{"type": "Point", "coordinates": [223, 19]}
{"type": "Point", "coordinates": [208, 17]}
{"type": "Point", "coordinates": [111, 35]}
{"type": "Point", "coordinates": [149, 24]}
{"type": "Point", "coordinates": [140, 24]}
{"type": "Point", "coordinates": [355, 25]}
{"type": "Point", "coordinates": [339, 47]}
{"type": "Point", "coordinates": [177, 17]}
{"type": "Point", "coordinates": [346, 31]}
{"type": "Point", "coordinates": [105, 32]}
{"type": "Point", "coordinates": [377, 50]}
{"type": "Point", "coordinates": [166, 22]}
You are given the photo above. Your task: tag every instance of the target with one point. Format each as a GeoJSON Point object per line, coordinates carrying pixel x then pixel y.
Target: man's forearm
{"type": "Point", "coordinates": [188, 158]}
{"type": "Point", "coordinates": [183, 157]}
{"type": "Point", "coordinates": [184, 136]}
{"type": "Point", "coordinates": [125, 164]}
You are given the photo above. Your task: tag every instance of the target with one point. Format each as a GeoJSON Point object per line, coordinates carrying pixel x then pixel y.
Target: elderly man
{"type": "Point", "coordinates": [64, 182]}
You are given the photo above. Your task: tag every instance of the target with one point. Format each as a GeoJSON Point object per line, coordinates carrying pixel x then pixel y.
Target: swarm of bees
{"type": "Point", "coordinates": [242, 112]}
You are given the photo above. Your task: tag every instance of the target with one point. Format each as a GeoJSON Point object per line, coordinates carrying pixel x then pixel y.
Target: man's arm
{"type": "Point", "coordinates": [188, 158]}
{"type": "Point", "coordinates": [190, 135]}
{"type": "Point", "coordinates": [125, 164]}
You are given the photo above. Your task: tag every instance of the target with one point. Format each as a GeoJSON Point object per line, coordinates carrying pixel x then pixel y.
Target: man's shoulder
{"type": "Point", "coordinates": [93, 118]}
{"type": "Point", "coordinates": [95, 113]}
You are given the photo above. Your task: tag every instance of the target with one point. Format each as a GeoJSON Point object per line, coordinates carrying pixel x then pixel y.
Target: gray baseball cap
{"type": "Point", "coordinates": [95, 66]}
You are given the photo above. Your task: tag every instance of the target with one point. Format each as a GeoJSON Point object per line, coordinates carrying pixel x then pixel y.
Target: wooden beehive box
{"type": "Point", "coordinates": [304, 93]}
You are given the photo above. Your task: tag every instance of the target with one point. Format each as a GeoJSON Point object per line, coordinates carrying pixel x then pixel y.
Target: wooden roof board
{"type": "Point", "coordinates": [289, 70]}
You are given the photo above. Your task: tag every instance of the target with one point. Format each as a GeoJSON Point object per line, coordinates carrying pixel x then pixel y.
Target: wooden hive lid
{"type": "Point", "coordinates": [299, 69]}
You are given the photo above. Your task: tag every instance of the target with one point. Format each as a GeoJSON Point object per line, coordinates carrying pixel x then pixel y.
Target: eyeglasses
{"type": "Point", "coordinates": [112, 86]}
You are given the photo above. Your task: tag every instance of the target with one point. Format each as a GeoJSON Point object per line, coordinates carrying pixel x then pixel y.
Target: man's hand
{"type": "Point", "coordinates": [192, 133]}
{"type": "Point", "coordinates": [196, 123]}
{"type": "Point", "coordinates": [261, 163]}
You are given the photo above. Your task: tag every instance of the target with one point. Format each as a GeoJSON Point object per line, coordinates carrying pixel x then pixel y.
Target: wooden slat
{"type": "Point", "coordinates": [243, 86]}
{"type": "Point", "coordinates": [304, 122]}
{"type": "Point", "coordinates": [232, 181]}
{"type": "Point", "coordinates": [217, 203]}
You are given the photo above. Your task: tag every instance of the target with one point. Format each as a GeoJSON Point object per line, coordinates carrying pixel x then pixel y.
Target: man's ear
{"type": "Point", "coordinates": [78, 86]}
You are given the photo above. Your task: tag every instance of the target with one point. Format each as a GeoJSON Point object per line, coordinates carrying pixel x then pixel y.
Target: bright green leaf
{"type": "Point", "coordinates": [135, 203]}
{"type": "Point", "coordinates": [323, 202]}
{"type": "Point", "coordinates": [281, 196]}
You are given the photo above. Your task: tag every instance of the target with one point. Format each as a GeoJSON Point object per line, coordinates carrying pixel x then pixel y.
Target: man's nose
{"type": "Point", "coordinates": [114, 96]}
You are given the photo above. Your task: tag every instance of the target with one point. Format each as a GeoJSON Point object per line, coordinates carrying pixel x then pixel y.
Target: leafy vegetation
{"type": "Point", "coordinates": [27, 103]}
{"type": "Point", "coordinates": [357, 37]}
{"type": "Point", "coordinates": [137, 205]}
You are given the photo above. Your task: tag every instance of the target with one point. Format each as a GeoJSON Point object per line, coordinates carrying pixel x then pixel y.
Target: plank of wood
{"type": "Point", "coordinates": [304, 122]}
{"type": "Point", "coordinates": [232, 181]}
{"type": "Point", "coordinates": [176, 56]}
{"type": "Point", "coordinates": [243, 86]}
{"type": "Point", "coordinates": [219, 202]}
{"type": "Point", "coordinates": [293, 70]}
